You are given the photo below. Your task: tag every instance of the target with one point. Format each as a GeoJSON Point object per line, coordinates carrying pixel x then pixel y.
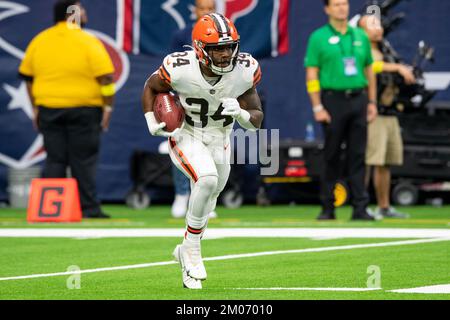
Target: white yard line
{"type": "Point", "coordinates": [215, 233]}
{"type": "Point", "coordinates": [68, 273]}
{"type": "Point", "coordinates": [233, 256]}
{"type": "Point", "coordinates": [441, 288]}
{"type": "Point", "coordinates": [436, 289]}
{"type": "Point", "coordinates": [310, 289]}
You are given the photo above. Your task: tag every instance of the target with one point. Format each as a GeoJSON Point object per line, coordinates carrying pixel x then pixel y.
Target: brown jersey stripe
{"type": "Point", "coordinates": [163, 74]}
{"type": "Point", "coordinates": [257, 80]}
{"type": "Point", "coordinates": [257, 73]}
{"type": "Point", "coordinates": [166, 73]}
{"type": "Point", "coordinates": [180, 161]}
{"type": "Point", "coordinates": [183, 160]}
{"type": "Point", "coordinates": [257, 76]}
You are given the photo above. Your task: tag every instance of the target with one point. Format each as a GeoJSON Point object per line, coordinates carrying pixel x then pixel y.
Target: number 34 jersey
{"type": "Point", "coordinates": [200, 99]}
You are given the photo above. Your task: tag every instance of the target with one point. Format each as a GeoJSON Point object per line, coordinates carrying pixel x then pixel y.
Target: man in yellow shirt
{"type": "Point", "coordinates": [69, 77]}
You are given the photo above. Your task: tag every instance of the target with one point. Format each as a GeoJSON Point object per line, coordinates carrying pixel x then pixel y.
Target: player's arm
{"type": "Point", "coordinates": [154, 85]}
{"type": "Point", "coordinates": [246, 109]}
{"type": "Point", "coordinates": [251, 103]}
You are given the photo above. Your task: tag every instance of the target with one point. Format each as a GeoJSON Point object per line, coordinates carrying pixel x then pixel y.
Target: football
{"type": "Point", "coordinates": [168, 109]}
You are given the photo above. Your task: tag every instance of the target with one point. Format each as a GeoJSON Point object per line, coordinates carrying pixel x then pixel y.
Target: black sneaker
{"type": "Point", "coordinates": [363, 216]}
{"type": "Point", "coordinates": [326, 216]}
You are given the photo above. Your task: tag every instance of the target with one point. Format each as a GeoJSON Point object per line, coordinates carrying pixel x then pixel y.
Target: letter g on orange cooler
{"type": "Point", "coordinates": [54, 200]}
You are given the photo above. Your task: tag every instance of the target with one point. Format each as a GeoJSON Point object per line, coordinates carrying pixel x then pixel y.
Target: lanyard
{"type": "Point", "coordinates": [336, 34]}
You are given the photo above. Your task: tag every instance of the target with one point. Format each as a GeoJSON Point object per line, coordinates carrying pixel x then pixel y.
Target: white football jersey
{"type": "Point", "coordinates": [200, 99]}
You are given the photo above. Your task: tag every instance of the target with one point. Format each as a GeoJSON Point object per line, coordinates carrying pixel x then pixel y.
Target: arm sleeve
{"type": "Point", "coordinates": [257, 75]}
{"type": "Point", "coordinates": [99, 59]}
{"type": "Point", "coordinates": [165, 71]}
{"type": "Point", "coordinates": [251, 71]}
{"type": "Point", "coordinates": [176, 69]}
{"type": "Point", "coordinates": [256, 69]}
{"type": "Point", "coordinates": [312, 57]}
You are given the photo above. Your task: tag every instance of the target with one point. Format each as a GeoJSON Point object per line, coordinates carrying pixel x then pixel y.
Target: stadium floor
{"type": "Point", "coordinates": [278, 252]}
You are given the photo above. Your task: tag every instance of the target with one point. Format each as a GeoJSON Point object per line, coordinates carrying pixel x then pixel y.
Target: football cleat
{"type": "Point", "coordinates": [191, 283]}
{"type": "Point", "coordinates": [190, 258]}
{"type": "Point", "coordinates": [188, 282]}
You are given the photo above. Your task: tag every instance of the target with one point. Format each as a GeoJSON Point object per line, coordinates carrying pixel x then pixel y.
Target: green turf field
{"type": "Point", "coordinates": [246, 216]}
{"type": "Point", "coordinates": [401, 263]}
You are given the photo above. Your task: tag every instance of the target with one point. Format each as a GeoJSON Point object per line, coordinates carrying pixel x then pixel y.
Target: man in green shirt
{"type": "Point", "coordinates": [342, 88]}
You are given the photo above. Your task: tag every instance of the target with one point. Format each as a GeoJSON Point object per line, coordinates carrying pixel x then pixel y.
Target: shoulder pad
{"type": "Point", "coordinates": [174, 66]}
{"type": "Point", "coordinates": [250, 69]}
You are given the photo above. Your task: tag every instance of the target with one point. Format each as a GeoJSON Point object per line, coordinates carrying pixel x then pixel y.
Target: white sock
{"type": "Point", "coordinates": [193, 237]}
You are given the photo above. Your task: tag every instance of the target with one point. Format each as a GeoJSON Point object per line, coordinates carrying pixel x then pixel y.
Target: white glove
{"type": "Point", "coordinates": [157, 129]}
{"type": "Point", "coordinates": [231, 107]}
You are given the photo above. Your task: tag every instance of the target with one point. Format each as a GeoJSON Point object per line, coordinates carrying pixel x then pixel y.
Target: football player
{"type": "Point", "coordinates": [216, 85]}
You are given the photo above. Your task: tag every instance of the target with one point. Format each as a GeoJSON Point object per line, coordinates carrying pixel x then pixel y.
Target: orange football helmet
{"type": "Point", "coordinates": [213, 30]}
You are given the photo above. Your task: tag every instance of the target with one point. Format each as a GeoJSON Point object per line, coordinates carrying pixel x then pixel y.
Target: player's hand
{"type": "Point", "coordinates": [322, 116]}
{"type": "Point", "coordinates": [176, 131]}
{"type": "Point", "coordinates": [158, 130]}
{"type": "Point", "coordinates": [231, 107]}
{"type": "Point", "coordinates": [407, 73]}
{"type": "Point", "coordinates": [155, 128]}
{"type": "Point", "coordinates": [372, 112]}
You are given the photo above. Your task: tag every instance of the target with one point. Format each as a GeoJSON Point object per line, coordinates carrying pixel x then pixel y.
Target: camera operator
{"type": "Point", "coordinates": [384, 145]}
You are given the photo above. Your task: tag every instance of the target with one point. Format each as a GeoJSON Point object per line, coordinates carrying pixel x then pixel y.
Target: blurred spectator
{"type": "Point", "coordinates": [181, 38]}
{"type": "Point", "coordinates": [384, 144]}
{"type": "Point", "coordinates": [69, 76]}
{"type": "Point", "coordinates": [342, 88]}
